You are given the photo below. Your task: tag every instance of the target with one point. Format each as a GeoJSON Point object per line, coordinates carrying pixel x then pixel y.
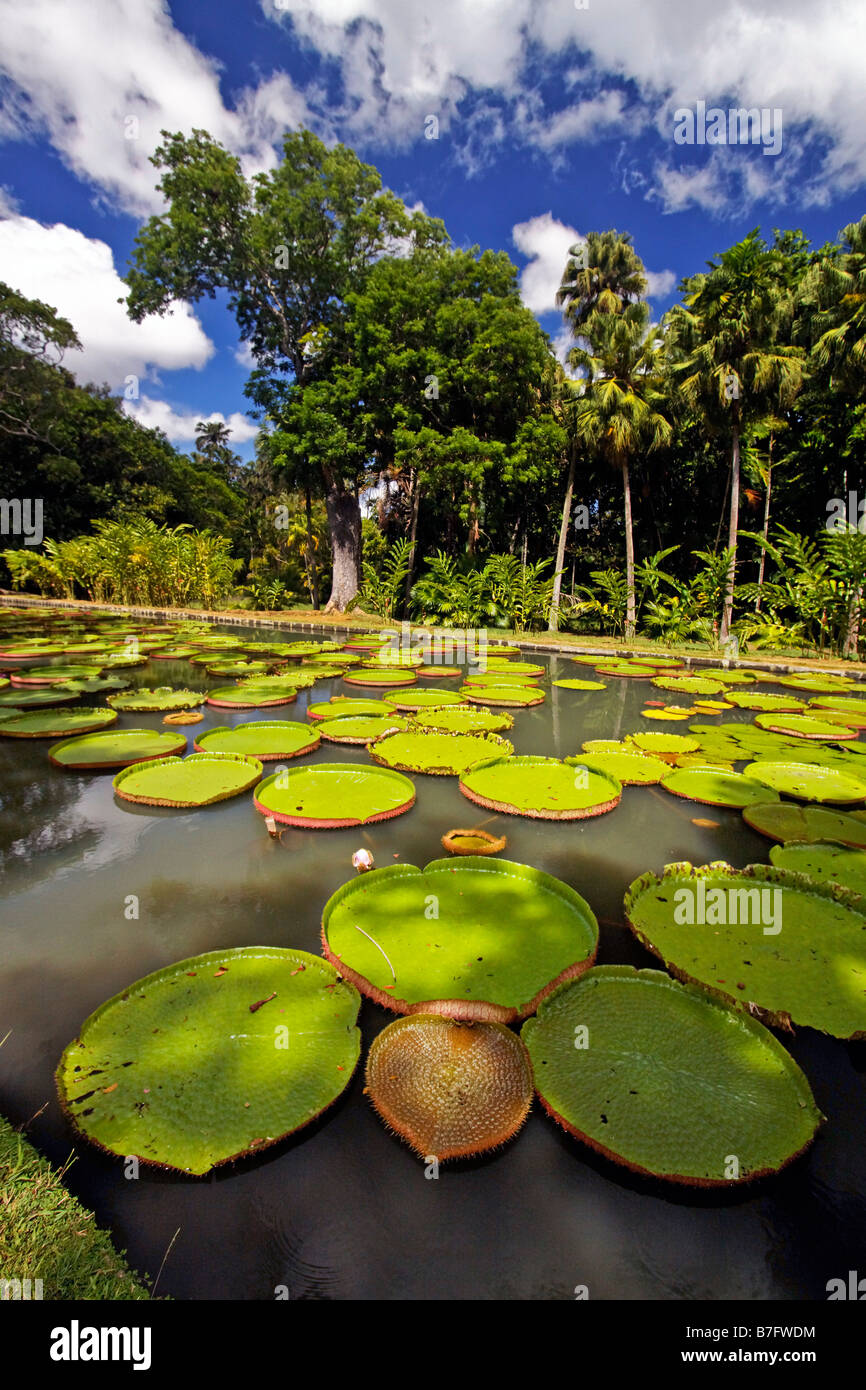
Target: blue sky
{"type": "Point", "coordinates": [555, 117]}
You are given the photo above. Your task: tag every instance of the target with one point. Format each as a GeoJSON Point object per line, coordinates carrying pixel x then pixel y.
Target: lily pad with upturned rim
{"type": "Point", "coordinates": [449, 1089]}
{"type": "Point", "coordinates": [54, 675]}
{"type": "Point", "coordinates": [116, 748]}
{"type": "Point", "coordinates": [332, 709]}
{"type": "Point", "coordinates": [249, 697]}
{"type": "Point", "coordinates": [465, 719]}
{"type": "Point", "coordinates": [330, 796]}
{"type": "Point", "coordinates": [415, 700]}
{"type": "Point", "coordinates": [507, 696]}
{"type": "Point", "coordinates": [753, 700]}
{"type": "Point", "coordinates": [632, 769]}
{"type": "Point", "coordinates": [784, 821]}
{"type": "Point", "coordinates": [503, 935]}
{"type": "Point", "coordinates": [672, 1081]}
{"type": "Point", "coordinates": [541, 788]}
{"type": "Point", "coordinates": [391, 676]}
{"type": "Point", "coordinates": [806, 966]}
{"type": "Point", "coordinates": [361, 728]}
{"type": "Point", "coordinates": [436, 754]}
{"type": "Point", "coordinates": [181, 1072]}
{"type": "Point", "coordinates": [808, 782]}
{"type": "Point", "coordinates": [36, 699]}
{"type": "Point", "coordinates": [199, 780]}
{"type": "Point", "coordinates": [689, 685]}
{"type": "Point", "coordinates": [580, 685]}
{"type": "Point", "coordinates": [475, 842]}
{"type": "Point", "coordinates": [712, 787]}
{"type": "Point", "coordinates": [161, 700]}
{"type": "Point", "coordinates": [54, 723]}
{"type": "Point", "coordinates": [664, 743]}
{"type": "Point", "coordinates": [803, 726]}
{"type": "Point", "coordinates": [816, 683]}
{"type": "Point", "coordinates": [266, 740]}
{"type": "Point", "coordinates": [825, 862]}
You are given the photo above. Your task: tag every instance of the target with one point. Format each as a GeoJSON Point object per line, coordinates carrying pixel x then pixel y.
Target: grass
{"type": "Point", "coordinates": [45, 1232]}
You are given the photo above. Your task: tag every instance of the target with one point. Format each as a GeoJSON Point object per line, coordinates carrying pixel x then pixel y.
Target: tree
{"type": "Point", "coordinates": [33, 340]}
{"type": "Point", "coordinates": [287, 246]}
{"type": "Point", "coordinates": [729, 354]}
{"type": "Point", "coordinates": [835, 289]}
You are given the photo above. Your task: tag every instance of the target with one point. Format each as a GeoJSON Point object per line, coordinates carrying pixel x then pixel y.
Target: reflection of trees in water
{"type": "Point", "coordinates": [37, 807]}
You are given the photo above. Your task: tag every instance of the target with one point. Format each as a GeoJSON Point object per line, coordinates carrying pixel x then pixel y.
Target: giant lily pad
{"type": "Point", "coordinates": [670, 1081]}
{"type": "Point", "coordinates": [808, 782]}
{"type": "Point", "coordinates": [845, 704]}
{"type": "Point", "coordinates": [53, 723]}
{"type": "Point", "coordinates": [508, 696]}
{"type": "Point", "coordinates": [266, 740]}
{"type": "Point", "coordinates": [212, 1058]}
{"type": "Point", "coordinates": [422, 700]}
{"type": "Point", "coordinates": [477, 939]}
{"type": "Point", "coordinates": [824, 862]}
{"type": "Point", "coordinates": [250, 697]}
{"type": "Point", "coordinates": [36, 699]}
{"type": "Point", "coordinates": [662, 744]}
{"type": "Point", "coordinates": [500, 678]}
{"type": "Point", "coordinates": [729, 677]}
{"type": "Point", "coordinates": [198, 780]}
{"type": "Point", "coordinates": [632, 769]}
{"type": "Point", "coordinates": [691, 685]}
{"type": "Point", "coordinates": [465, 719]}
{"type": "Point", "coordinates": [162, 699]}
{"type": "Point", "coordinates": [449, 1089]}
{"type": "Point", "coordinates": [800, 955]}
{"type": "Point", "coordinates": [54, 675]}
{"type": "Point", "coordinates": [117, 748]}
{"type": "Point", "coordinates": [580, 685]}
{"type": "Point", "coordinates": [625, 669]}
{"type": "Point", "coordinates": [442, 755]}
{"type": "Point", "coordinates": [541, 788]}
{"type": "Point", "coordinates": [817, 683]}
{"type": "Point", "coordinates": [379, 675]}
{"type": "Point", "coordinates": [716, 788]}
{"type": "Point", "coordinates": [438, 672]}
{"type": "Point", "coordinates": [781, 704]}
{"type": "Point", "coordinates": [513, 668]}
{"type": "Point", "coordinates": [803, 726]}
{"type": "Point", "coordinates": [360, 728]}
{"type": "Point", "coordinates": [332, 795]}
{"type": "Point", "coordinates": [343, 708]}
{"type": "Point", "coordinates": [782, 821]}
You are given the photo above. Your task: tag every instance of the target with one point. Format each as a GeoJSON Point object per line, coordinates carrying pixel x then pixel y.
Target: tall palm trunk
{"type": "Point", "coordinates": [416, 503]}
{"type": "Point", "coordinates": [631, 608]}
{"type": "Point", "coordinates": [733, 532]}
{"type": "Point", "coordinates": [312, 569]}
{"type": "Point", "coordinates": [553, 623]}
{"type": "Point", "coordinates": [766, 530]}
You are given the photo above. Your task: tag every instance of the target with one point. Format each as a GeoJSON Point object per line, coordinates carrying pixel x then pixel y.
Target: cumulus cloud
{"type": "Point", "coordinates": [547, 242]}
{"type": "Point", "coordinates": [182, 426]}
{"type": "Point", "coordinates": [76, 275]}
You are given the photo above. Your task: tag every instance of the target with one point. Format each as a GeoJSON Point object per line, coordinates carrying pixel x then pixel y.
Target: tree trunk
{"type": "Point", "coordinates": [766, 531]}
{"type": "Point", "coordinates": [630, 614]}
{"type": "Point", "coordinates": [553, 622]}
{"type": "Point", "coordinates": [733, 532]}
{"type": "Point", "coordinates": [344, 525]}
{"type": "Point", "coordinates": [312, 569]}
{"type": "Point", "coordinates": [416, 504]}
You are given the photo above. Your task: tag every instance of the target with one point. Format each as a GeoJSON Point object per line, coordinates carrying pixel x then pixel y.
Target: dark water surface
{"type": "Point", "coordinates": [344, 1210]}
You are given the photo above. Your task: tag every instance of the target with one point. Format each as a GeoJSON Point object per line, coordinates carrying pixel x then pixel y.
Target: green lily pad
{"type": "Point", "coordinates": [580, 685]}
{"type": "Point", "coordinates": [162, 699]}
{"type": "Point", "coordinates": [438, 672]}
{"type": "Point", "coordinates": [237, 668]}
{"type": "Point", "coordinates": [500, 678]}
{"type": "Point", "coordinates": [691, 685]}
{"type": "Point", "coordinates": [729, 677]}
{"type": "Point", "coordinates": [341, 707]}
{"type": "Point", "coordinates": [845, 704]}
{"type": "Point", "coordinates": [423, 700]}
{"type": "Point", "coordinates": [664, 743]}
{"type": "Point", "coordinates": [53, 723]}
{"type": "Point", "coordinates": [783, 704]}
{"type": "Point", "coordinates": [802, 726]}
{"type": "Point", "coordinates": [266, 740]}
{"type": "Point", "coordinates": [819, 684]}
{"type": "Point", "coordinates": [465, 719]}
{"type": "Point", "coordinates": [379, 675]}
{"type": "Point", "coordinates": [512, 668]}
{"type": "Point", "coordinates": [54, 675]}
{"type": "Point", "coordinates": [808, 782]}
{"type": "Point", "coordinates": [507, 696]}
{"type": "Point", "coordinates": [541, 788]}
{"type": "Point", "coordinates": [360, 728]}
{"type": "Point", "coordinates": [19, 651]}
{"type": "Point", "coordinates": [713, 787]}
{"type": "Point", "coordinates": [782, 821]}
{"type": "Point", "coordinates": [198, 780]}
{"type": "Point", "coordinates": [249, 697]}
{"type": "Point", "coordinates": [179, 653]}
{"type": "Point", "coordinates": [329, 796]}
{"type": "Point", "coordinates": [442, 755]}
{"type": "Point", "coordinates": [117, 748]}
{"type": "Point", "coordinates": [799, 957]}
{"type": "Point", "coordinates": [630, 768]}
{"type": "Point", "coordinates": [625, 669]}
{"type": "Point", "coordinates": [212, 1058]}
{"type": "Point", "coordinates": [671, 1082]}
{"type": "Point", "coordinates": [824, 862]}
{"type": "Point", "coordinates": [475, 938]}
{"type": "Point", "coordinates": [296, 650]}
{"type": "Point", "coordinates": [6, 714]}
{"type": "Point", "coordinates": [292, 680]}
{"type": "Point", "coordinates": [34, 699]}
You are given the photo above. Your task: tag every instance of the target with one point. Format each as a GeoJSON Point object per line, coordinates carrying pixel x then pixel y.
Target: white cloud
{"type": "Point", "coordinates": [101, 78]}
{"type": "Point", "coordinates": [546, 242]}
{"type": "Point", "coordinates": [76, 275]}
{"type": "Point", "coordinates": [182, 426]}
{"type": "Point", "coordinates": [660, 283]}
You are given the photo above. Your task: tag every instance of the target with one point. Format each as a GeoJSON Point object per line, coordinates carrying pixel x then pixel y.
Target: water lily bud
{"type": "Point", "coordinates": [363, 861]}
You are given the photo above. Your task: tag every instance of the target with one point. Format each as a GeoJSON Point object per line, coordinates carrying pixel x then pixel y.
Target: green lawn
{"type": "Point", "coordinates": [45, 1232]}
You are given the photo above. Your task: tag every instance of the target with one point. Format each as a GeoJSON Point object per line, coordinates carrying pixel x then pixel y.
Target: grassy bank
{"type": "Point", "coordinates": [45, 1232]}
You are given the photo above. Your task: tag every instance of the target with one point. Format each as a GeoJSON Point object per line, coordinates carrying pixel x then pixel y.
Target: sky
{"type": "Point", "coordinates": [523, 124]}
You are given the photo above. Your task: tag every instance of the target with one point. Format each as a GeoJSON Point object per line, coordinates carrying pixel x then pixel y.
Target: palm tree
{"type": "Point", "coordinates": [729, 356]}
{"type": "Point", "coordinates": [212, 438]}
{"type": "Point", "coordinates": [620, 410]}
{"type": "Point", "coordinates": [602, 276]}
{"type": "Point", "coordinates": [835, 288]}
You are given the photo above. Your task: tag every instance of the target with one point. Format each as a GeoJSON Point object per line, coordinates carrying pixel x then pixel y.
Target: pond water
{"type": "Point", "coordinates": [344, 1210]}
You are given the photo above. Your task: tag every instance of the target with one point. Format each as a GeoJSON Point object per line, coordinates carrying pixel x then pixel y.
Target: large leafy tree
{"type": "Point", "coordinates": [287, 246]}
{"type": "Point", "coordinates": [835, 291]}
{"type": "Point", "coordinates": [731, 356]}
